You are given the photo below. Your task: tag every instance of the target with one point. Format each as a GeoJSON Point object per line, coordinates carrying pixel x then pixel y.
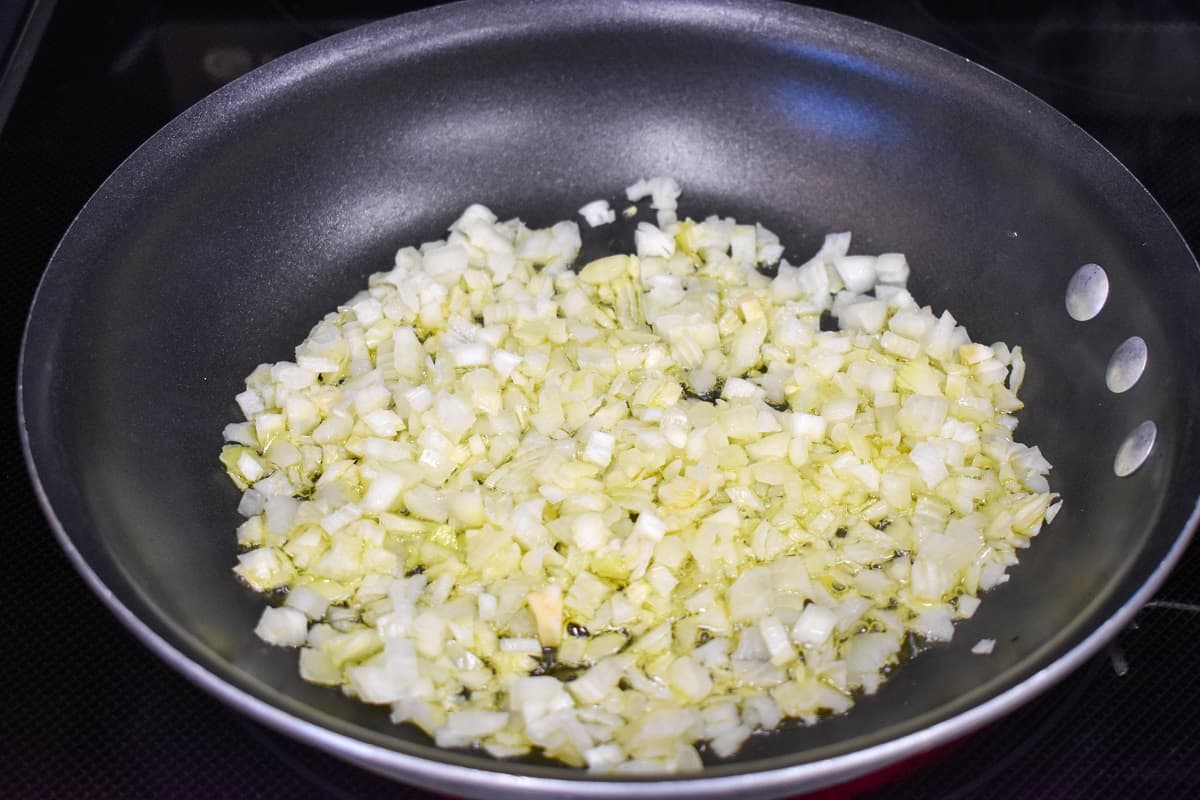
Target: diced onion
{"type": "Point", "coordinates": [597, 213]}
{"type": "Point", "coordinates": [609, 511]}
{"type": "Point", "coordinates": [282, 626]}
{"type": "Point", "coordinates": [984, 647]}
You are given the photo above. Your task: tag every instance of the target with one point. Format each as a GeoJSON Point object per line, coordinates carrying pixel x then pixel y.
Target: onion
{"type": "Point", "coordinates": [608, 511]}
{"type": "Point", "coordinates": [597, 213]}
{"type": "Point", "coordinates": [282, 626]}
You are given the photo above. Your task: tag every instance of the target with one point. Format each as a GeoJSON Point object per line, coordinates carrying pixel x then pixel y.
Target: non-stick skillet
{"type": "Point", "coordinates": [223, 238]}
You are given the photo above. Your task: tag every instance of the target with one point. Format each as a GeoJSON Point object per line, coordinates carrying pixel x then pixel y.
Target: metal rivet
{"type": "Point", "coordinates": [1087, 292]}
{"type": "Point", "coordinates": [1135, 449]}
{"type": "Point", "coordinates": [1126, 365]}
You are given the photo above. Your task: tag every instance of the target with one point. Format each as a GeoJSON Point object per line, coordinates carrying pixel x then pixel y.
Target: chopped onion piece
{"type": "Point", "coordinates": [984, 646]}
{"type": "Point", "coordinates": [597, 213]}
{"type": "Point", "coordinates": [286, 627]}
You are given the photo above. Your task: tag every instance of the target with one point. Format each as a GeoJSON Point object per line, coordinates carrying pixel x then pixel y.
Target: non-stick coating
{"type": "Point", "coordinates": [224, 238]}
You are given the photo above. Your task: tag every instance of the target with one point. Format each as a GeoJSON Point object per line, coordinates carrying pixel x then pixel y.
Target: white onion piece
{"type": "Point", "coordinates": [282, 626]}
{"type": "Point", "coordinates": [597, 213]}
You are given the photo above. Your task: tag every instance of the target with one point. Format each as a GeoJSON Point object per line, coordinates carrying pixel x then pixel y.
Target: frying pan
{"type": "Point", "coordinates": [223, 238]}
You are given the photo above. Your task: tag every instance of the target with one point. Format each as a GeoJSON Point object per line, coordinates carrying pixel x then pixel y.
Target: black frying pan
{"type": "Point", "coordinates": [219, 243]}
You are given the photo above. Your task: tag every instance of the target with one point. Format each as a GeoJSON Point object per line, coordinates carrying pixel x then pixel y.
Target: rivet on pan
{"type": "Point", "coordinates": [1087, 292]}
{"type": "Point", "coordinates": [1135, 449]}
{"type": "Point", "coordinates": [1126, 365]}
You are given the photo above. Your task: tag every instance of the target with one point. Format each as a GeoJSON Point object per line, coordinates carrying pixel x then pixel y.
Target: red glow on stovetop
{"type": "Point", "coordinates": [878, 779]}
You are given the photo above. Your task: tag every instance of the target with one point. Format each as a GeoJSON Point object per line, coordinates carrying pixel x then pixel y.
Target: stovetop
{"type": "Point", "coordinates": [88, 712]}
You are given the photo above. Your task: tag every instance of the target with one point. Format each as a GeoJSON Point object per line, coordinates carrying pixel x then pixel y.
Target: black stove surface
{"type": "Point", "coordinates": [87, 711]}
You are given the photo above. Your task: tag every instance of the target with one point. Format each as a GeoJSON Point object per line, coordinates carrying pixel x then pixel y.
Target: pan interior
{"type": "Point", "coordinates": [226, 237]}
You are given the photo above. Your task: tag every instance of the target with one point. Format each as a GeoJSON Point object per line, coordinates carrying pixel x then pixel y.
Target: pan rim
{"type": "Point", "coordinates": [429, 769]}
